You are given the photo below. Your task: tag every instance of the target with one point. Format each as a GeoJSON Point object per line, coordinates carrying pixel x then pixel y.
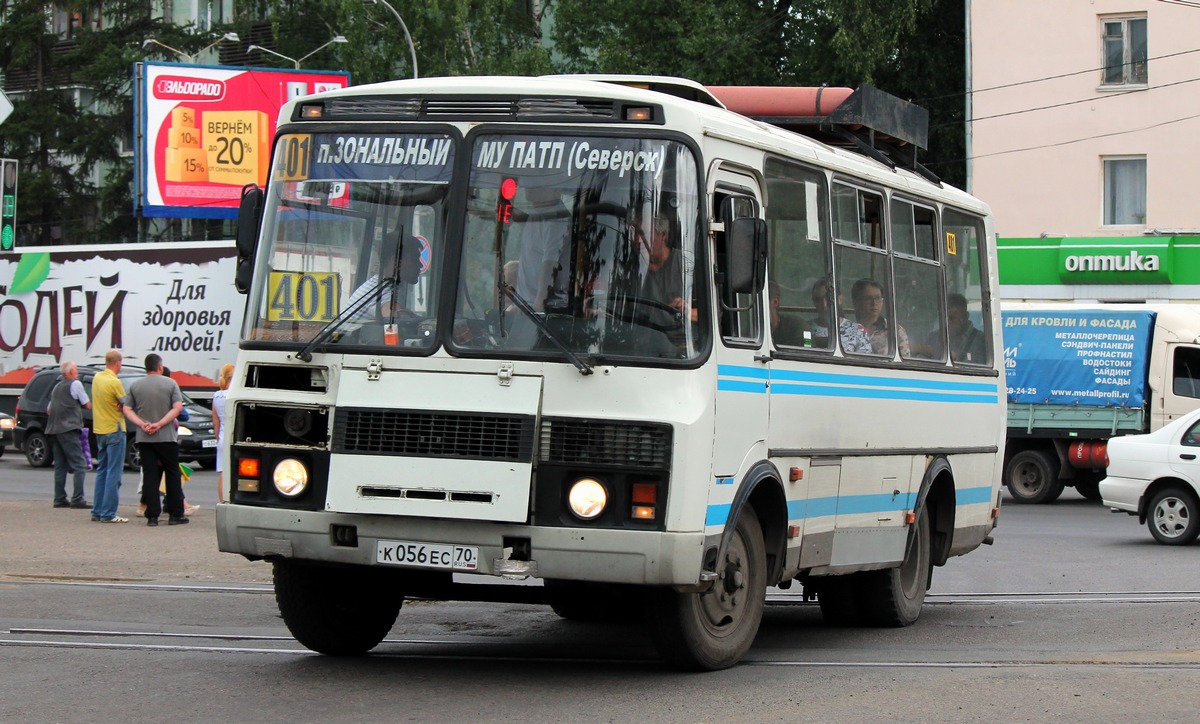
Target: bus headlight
{"type": "Point", "coordinates": [587, 498]}
{"type": "Point", "coordinates": [290, 477]}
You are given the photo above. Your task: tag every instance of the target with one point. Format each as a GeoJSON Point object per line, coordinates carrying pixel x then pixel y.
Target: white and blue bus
{"type": "Point", "coordinates": [657, 346]}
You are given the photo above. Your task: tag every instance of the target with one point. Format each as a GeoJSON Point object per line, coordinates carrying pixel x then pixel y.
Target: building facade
{"type": "Point", "coordinates": [1083, 136]}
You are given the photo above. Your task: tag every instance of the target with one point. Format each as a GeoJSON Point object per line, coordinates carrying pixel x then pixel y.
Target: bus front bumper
{"type": "Point", "coordinates": [579, 554]}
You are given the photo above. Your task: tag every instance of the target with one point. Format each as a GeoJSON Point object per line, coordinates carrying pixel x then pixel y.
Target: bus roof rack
{"type": "Point", "coordinates": [875, 123]}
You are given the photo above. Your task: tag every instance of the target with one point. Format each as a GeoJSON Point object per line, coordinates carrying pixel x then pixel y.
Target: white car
{"type": "Point", "coordinates": [1157, 478]}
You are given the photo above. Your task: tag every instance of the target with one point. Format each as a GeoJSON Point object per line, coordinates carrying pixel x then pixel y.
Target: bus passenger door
{"type": "Point", "coordinates": [743, 366]}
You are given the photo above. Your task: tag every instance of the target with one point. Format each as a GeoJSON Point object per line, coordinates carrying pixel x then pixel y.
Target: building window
{"type": "Point", "coordinates": [1125, 191]}
{"type": "Point", "coordinates": [1125, 51]}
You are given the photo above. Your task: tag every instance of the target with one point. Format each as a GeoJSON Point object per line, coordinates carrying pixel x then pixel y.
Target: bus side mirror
{"type": "Point", "coordinates": [250, 212]}
{"type": "Point", "coordinates": [747, 255]}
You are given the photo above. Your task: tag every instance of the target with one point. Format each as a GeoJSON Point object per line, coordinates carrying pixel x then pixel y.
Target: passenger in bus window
{"type": "Point", "coordinates": [868, 298]}
{"type": "Point", "coordinates": [966, 341]}
{"type": "Point", "coordinates": [663, 277]}
{"type": "Point", "coordinates": [852, 336]}
{"type": "Point", "coordinates": [786, 330]}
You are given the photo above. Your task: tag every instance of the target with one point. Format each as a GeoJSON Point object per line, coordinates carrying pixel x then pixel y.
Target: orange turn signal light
{"type": "Point", "coordinates": [248, 467]}
{"type": "Point", "coordinates": [643, 512]}
{"type": "Point", "coordinates": [645, 493]}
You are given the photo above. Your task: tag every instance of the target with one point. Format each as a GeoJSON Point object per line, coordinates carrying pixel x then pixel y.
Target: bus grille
{"type": "Point", "coordinates": [605, 442]}
{"type": "Point", "coordinates": [412, 433]}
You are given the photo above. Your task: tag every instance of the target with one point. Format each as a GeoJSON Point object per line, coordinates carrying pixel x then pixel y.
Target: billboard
{"type": "Point", "coordinates": [204, 132]}
{"type": "Point", "coordinates": [1091, 358]}
{"type": "Point", "coordinates": [76, 303]}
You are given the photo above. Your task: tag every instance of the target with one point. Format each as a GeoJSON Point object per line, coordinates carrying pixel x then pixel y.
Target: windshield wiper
{"type": "Point", "coordinates": [305, 353]}
{"type": "Point", "coordinates": [583, 367]}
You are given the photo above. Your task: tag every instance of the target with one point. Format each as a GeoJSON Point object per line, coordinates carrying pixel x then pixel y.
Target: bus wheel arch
{"type": "Point", "coordinates": [939, 503]}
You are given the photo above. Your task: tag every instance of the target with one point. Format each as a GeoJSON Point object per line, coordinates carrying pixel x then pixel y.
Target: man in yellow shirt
{"type": "Point", "coordinates": [108, 425]}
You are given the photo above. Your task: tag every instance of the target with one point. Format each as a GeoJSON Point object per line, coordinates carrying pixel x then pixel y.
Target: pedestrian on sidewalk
{"type": "Point", "coordinates": [63, 426]}
{"type": "Point", "coordinates": [108, 423]}
{"type": "Point", "coordinates": [153, 403]}
{"type": "Point", "coordinates": [220, 429]}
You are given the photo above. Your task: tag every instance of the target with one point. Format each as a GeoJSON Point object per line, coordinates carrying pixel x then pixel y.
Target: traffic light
{"type": "Point", "coordinates": [8, 204]}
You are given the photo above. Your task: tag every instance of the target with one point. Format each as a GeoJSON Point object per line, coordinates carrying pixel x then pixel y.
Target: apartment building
{"type": "Point", "coordinates": [1083, 136]}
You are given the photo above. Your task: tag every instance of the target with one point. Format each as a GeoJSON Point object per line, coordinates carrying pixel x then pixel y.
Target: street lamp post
{"type": "Point", "coordinates": [191, 57]}
{"type": "Point", "coordinates": [297, 61]}
{"type": "Point", "coordinates": [411, 49]}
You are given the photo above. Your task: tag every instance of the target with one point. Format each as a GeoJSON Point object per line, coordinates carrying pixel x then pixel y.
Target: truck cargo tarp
{"type": "Point", "coordinates": [1094, 358]}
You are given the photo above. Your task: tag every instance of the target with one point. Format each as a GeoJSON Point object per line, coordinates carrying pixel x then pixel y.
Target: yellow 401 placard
{"type": "Point", "coordinates": [303, 296]}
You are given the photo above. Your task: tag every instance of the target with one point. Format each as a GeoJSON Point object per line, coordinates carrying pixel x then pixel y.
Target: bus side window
{"type": "Point", "coordinates": [739, 313]}
{"type": "Point", "coordinates": [797, 217]}
{"type": "Point", "coordinates": [918, 280]}
{"type": "Point", "coordinates": [962, 239]}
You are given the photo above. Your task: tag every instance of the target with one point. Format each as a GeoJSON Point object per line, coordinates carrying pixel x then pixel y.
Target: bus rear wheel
{"type": "Point", "coordinates": [336, 611]}
{"type": "Point", "coordinates": [714, 629]}
{"type": "Point", "coordinates": [894, 596]}
{"type": "Point", "coordinates": [1031, 478]}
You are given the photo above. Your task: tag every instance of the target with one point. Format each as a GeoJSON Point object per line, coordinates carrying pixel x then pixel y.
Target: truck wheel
{"type": "Point", "coordinates": [1173, 517]}
{"type": "Point", "coordinates": [1031, 478]}
{"type": "Point", "coordinates": [336, 611]}
{"type": "Point", "coordinates": [37, 450]}
{"type": "Point", "coordinates": [714, 629]}
{"type": "Point", "coordinates": [893, 597]}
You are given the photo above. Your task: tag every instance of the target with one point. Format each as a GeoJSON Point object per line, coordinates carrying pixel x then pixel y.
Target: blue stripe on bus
{"type": "Point", "coordinates": [856, 386]}
{"type": "Point", "coordinates": [851, 505]}
{"type": "Point", "coordinates": [741, 386]}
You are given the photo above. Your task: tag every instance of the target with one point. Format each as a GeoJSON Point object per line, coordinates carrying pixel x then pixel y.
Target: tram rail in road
{"type": "Point", "coordinates": [187, 639]}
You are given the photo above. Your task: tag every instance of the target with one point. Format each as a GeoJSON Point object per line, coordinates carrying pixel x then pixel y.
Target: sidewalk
{"type": "Point", "coordinates": [39, 541]}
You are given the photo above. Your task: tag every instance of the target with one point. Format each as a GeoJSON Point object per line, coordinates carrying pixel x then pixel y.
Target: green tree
{"type": "Point", "coordinates": [451, 37]}
{"type": "Point", "coordinates": [910, 48]}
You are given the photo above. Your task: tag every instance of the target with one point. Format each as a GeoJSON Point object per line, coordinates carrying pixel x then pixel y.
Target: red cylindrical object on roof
{"type": "Point", "coordinates": [775, 101]}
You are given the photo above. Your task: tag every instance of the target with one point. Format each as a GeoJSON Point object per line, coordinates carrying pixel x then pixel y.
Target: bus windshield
{"type": "Point", "coordinates": [353, 241]}
{"type": "Point", "coordinates": [581, 243]}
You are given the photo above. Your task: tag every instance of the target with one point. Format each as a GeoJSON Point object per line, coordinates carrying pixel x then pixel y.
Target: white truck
{"type": "Point", "coordinates": [1080, 375]}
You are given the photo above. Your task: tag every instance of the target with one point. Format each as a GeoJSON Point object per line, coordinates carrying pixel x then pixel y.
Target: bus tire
{"type": "Point", "coordinates": [590, 602]}
{"type": "Point", "coordinates": [335, 611]}
{"type": "Point", "coordinates": [1031, 478]}
{"type": "Point", "coordinates": [838, 598]}
{"type": "Point", "coordinates": [893, 597]}
{"type": "Point", "coordinates": [714, 629]}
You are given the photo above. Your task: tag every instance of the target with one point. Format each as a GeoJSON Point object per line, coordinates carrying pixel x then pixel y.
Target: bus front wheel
{"type": "Point", "coordinates": [335, 611]}
{"type": "Point", "coordinates": [714, 629]}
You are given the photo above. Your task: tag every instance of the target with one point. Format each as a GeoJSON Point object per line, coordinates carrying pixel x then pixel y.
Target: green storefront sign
{"type": "Point", "coordinates": [1100, 260]}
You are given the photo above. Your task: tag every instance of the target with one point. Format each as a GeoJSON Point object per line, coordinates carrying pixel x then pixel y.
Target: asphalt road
{"type": "Point", "coordinates": [1073, 615]}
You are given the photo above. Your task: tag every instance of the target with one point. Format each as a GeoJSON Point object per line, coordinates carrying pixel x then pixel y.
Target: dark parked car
{"type": "Point", "coordinates": [7, 423]}
{"type": "Point", "coordinates": [196, 440]}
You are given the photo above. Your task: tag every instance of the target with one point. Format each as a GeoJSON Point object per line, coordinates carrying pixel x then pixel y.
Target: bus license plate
{"type": "Point", "coordinates": [427, 555]}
